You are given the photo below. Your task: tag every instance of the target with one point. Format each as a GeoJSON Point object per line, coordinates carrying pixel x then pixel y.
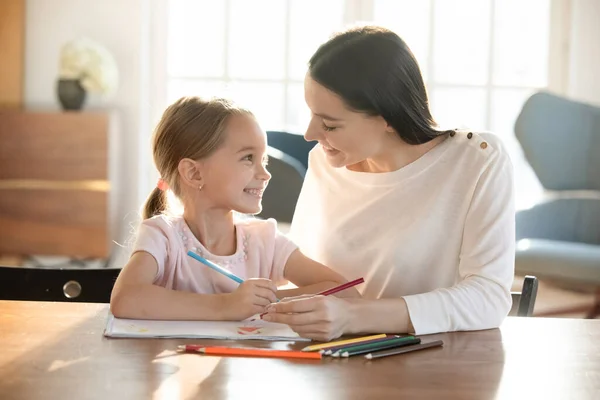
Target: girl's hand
{"type": "Point", "coordinates": [320, 318]}
{"type": "Point", "coordinates": [250, 298]}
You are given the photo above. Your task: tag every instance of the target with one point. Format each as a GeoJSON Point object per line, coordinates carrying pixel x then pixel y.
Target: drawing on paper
{"type": "Point", "coordinates": [249, 330]}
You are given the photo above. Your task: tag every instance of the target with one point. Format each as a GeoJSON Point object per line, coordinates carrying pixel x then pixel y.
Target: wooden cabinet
{"type": "Point", "coordinates": [54, 183]}
{"type": "Point", "coordinates": [12, 50]}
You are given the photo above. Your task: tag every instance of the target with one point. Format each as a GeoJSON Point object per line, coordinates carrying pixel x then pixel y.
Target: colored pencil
{"type": "Point", "coordinates": [219, 269]}
{"type": "Point", "coordinates": [248, 352]}
{"type": "Point", "coordinates": [341, 287]}
{"type": "Point", "coordinates": [405, 341]}
{"type": "Point", "coordinates": [316, 347]}
{"type": "Point", "coordinates": [331, 350]}
{"type": "Point", "coordinates": [215, 267]}
{"type": "Point", "coordinates": [388, 341]}
{"type": "Point", "coordinates": [333, 290]}
{"type": "Point", "coordinates": [403, 350]}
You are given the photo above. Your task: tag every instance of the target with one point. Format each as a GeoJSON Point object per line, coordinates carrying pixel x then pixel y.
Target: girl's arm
{"type": "Point", "coordinates": [311, 277]}
{"type": "Point", "coordinates": [135, 296]}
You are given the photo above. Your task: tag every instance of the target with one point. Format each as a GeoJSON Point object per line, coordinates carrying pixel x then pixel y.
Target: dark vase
{"type": "Point", "coordinates": [70, 94]}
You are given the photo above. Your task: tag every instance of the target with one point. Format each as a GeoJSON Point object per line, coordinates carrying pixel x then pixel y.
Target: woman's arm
{"type": "Point", "coordinates": [481, 299]}
{"type": "Point", "coordinates": [311, 277]}
{"type": "Point", "coordinates": [134, 296]}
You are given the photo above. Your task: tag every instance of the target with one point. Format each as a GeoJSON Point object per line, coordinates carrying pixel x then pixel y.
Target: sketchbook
{"type": "Point", "coordinates": [224, 330]}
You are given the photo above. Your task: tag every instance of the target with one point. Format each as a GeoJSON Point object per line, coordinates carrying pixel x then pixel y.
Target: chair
{"type": "Point", "coordinates": [559, 238]}
{"type": "Point", "coordinates": [292, 144]}
{"type": "Point", "coordinates": [65, 285]}
{"type": "Point", "coordinates": [524, 301]}
{"type": "Point", "coordinates": [287, 176]}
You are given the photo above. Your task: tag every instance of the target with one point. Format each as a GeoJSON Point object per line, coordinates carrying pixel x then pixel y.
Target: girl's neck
{"type": "Point", "coordinates": [214, 229]}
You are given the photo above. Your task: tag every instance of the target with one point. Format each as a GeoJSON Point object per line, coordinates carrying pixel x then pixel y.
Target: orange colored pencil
{"type": "Point", "coordinates": [248, 352]}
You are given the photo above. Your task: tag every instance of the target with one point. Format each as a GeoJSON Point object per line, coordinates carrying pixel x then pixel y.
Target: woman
{"type": "Point", "coordinates": [425, 216]}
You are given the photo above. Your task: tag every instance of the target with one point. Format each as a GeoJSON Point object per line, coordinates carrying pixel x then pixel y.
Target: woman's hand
{"type": "Point", "coordinates": [250, 298]}
{"type": "Point", "coordinates": [320, 318]}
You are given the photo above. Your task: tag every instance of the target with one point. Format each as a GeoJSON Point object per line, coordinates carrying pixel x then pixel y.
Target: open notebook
{"type": "Point", "coordinates": [234, 330]}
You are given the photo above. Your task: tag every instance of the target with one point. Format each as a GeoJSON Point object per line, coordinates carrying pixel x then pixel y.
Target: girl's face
{"type": "Point", "coordinates": [235, 175]}
{"type": "Point", "coordinates": [346, 137]}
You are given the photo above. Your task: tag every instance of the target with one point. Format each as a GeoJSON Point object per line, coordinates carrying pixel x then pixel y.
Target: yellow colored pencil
{"type": "Point", "coordinates": [316, 347]}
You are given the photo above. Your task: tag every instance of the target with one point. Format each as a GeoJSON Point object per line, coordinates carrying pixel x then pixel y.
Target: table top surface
{"type": "Point", "coordinates": [57, 351]}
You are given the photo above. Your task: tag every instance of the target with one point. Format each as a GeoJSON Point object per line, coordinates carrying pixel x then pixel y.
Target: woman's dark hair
{"type": "Point", "coordinates": [374, 72]}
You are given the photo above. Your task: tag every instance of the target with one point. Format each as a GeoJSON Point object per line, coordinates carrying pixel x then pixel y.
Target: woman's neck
{"type": "Point", "coordinates": [213, 228]}
{"type": "Point", "coordinates": [396, 154]}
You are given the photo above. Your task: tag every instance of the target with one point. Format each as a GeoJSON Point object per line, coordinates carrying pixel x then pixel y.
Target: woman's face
{"type": "Point", "coordinates": [346, 137]}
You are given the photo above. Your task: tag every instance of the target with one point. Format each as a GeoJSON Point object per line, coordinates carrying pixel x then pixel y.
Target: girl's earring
{"type": "Point", "coordinates": [200, 187]}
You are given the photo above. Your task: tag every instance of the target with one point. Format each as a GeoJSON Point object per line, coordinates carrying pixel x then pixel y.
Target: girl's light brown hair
{"type": "Point", "coordinates": [189, 128]}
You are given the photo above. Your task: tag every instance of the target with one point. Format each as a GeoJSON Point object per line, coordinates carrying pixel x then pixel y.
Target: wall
{"type": "Point", "coordinates": [12, 44]}
{"type": "Point", "coordinates": [122, 27]}
{"type": "Point", "coordinates": [584, 55]}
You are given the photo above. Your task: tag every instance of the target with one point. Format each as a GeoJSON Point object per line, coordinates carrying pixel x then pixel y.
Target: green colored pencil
{"type": "Point", "coordinates": [371, 347]}
{"type": "Point", "coordinates": [331, 350]}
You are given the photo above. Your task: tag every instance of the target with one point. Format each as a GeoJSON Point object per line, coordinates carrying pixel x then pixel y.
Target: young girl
{"type": "Point", "coordinates": [212, 156]}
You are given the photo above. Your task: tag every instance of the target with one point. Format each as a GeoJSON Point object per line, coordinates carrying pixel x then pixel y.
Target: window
{"type": "Point", "coordinates": [481, 59]}
{"type": "Point", "coordinates": [212, 50]}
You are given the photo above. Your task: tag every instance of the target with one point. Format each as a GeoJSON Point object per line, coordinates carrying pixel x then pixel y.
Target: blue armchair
{"type": "Point", "coordinates": [559, 238]}
{"type": "Point", "coordinates": [292, 144]}
{"type": "Point", "coordinates": [287, 176]}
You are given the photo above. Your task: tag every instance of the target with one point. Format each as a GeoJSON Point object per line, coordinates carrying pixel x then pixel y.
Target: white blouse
{"type": "Point", "coordinates": [439, 232]}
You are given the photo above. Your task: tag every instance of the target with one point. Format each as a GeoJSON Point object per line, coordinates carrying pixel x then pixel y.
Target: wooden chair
{"type": "Point", "coordinates": [524, 301]}
{"type": "Point", "coordinates": [67, 285]}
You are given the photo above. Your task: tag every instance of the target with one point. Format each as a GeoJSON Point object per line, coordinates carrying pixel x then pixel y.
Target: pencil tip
{"type": "Point", "coordinates": [346, 354]}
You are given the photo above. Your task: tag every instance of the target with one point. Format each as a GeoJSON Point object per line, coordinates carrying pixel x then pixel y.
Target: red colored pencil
{"type": "Point", "coordinates": [332, 290]}
{"type": "Point", "coordinates": [248, 352]}
{"type": "Point", "coordinates": [341, 287]}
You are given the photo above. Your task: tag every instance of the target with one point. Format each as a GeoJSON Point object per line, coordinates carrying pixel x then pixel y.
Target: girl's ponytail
{"type": "Point", "coordinates": [155, 204]}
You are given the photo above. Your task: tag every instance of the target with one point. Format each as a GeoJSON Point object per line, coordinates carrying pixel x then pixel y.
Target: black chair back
{"type": "Point", "coordinates": [524, 301]}
{"type": "Point", "coordinates": [68, 285]}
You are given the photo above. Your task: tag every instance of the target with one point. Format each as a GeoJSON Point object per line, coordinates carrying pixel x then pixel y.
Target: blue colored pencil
{"type": "Point", "coordinates": [214, 266]}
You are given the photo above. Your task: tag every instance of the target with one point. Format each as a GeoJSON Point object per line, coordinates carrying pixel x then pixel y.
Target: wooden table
{"type": "Point", "coordinates": [57, 351]}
